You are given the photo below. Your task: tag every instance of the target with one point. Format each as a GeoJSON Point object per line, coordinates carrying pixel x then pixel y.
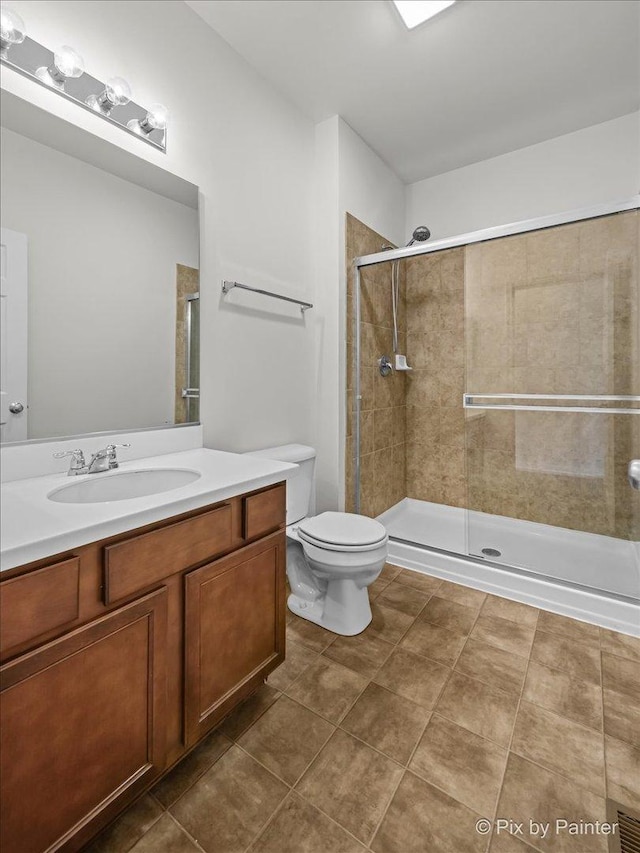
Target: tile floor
{"type": "Point", "coordinates": [452, 706]}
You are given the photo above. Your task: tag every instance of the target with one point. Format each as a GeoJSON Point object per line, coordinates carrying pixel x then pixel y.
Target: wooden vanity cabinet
{"type": "Point", "coordinates": [154, 637]}
{"type": "Point", "coordinates": [234, 631]}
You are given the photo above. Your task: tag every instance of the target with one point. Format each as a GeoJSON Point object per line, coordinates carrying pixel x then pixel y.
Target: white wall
{"type": "Point", "coordinates": [251, 153]}
{"type": "Point", "coordinates": [594, 165]}
{"type": "Point", "coordinates": [350, 178]}
{"type": "Point", "coordinates": [102, 257]}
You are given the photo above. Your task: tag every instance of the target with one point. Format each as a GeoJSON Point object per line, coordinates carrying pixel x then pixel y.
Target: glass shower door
{"type": "Point", "coordinates": [552, 409]}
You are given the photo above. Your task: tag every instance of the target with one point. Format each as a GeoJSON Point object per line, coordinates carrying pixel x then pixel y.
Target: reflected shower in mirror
{"type": "Point", "coordinates": [99, 282]}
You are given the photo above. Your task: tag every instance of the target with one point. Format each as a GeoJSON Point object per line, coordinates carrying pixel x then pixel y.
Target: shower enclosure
{"type": "Point", "coordinates": [507, 444]}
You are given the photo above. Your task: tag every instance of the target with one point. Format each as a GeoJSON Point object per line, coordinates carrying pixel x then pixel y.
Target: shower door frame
{"type": "Point", "coordinates": [485, 234]}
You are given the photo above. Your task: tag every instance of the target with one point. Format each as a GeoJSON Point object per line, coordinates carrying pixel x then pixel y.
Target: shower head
{"type": "Point", "coordinates": [420, 234]}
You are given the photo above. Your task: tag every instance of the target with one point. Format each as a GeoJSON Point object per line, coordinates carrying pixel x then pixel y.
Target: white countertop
{"type": "Point", "coordinates": [33, 527]}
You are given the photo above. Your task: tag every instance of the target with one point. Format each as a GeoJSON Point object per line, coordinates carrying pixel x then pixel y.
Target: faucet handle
{"type": "Point", "coordinates": [78, 455]}
{"type": "Point", "coordinates": [111, 454]}
{"type": "Point", "coordinates": [77, 460]}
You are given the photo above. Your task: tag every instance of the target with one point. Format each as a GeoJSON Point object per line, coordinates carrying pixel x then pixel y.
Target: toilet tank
{"type": "Point", "coordinates": [300, 482]}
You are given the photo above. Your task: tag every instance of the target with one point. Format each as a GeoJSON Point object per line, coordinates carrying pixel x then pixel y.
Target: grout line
{"type": "Point", "coordinates": [268, 822]}
{"type": "Point", "coordinates": [188, 834]}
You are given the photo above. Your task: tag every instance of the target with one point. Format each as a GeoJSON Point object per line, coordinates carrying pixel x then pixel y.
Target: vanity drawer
{"type": "Point", "coordinates": [264, 512]}
{"type": "Point", "coordinates": [140, 562]}
{"type": "Point", "coordinates": [39, 602]}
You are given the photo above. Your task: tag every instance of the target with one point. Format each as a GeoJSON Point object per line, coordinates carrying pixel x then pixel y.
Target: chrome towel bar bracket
{"type": "Point", "coordinates": [229, 285]}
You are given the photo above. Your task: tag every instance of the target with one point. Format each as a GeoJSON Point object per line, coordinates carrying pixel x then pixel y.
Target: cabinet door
{"type": "Point", "coordinates": [82, 727]}
{"type": "Point", "coordinates": [234, 630]}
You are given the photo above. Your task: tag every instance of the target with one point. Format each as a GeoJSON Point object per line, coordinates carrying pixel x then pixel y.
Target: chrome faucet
{"type": "Point", "coordinates": [102, 460]}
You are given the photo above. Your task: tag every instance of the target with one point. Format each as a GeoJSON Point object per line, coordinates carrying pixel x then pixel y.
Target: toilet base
{"type": "Point", "coordinates": [344, 609]}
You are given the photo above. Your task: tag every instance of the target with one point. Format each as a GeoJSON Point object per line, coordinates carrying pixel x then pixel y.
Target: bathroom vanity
{"type": "Point", "coordinates": [121, 652]}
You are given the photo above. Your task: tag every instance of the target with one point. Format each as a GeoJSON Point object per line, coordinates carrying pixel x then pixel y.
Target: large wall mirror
{"type": "Point", "coordinates": [100, 284]}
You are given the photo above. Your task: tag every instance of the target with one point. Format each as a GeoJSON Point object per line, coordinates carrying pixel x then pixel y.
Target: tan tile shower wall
{"type": "Point", "coordinates": [382, 422]}
{"type": "Point", "coordinates": [435, 350]}
{"type": "Point", "coordinates": [187, 281]}
{"type": "Point", "coordinates": [555, 312]}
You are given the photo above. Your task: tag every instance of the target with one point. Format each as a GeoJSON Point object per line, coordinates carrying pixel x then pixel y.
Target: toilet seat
{"type": "Point", "coordinates": [342, 531]}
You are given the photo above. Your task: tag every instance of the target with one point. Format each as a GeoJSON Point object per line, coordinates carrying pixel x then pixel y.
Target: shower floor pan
{"type": "Point", "coordinates": [600, 563]}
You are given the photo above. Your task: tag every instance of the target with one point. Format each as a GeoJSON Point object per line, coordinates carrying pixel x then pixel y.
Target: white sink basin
{"type": "Point", "coordinates": [99, 488]}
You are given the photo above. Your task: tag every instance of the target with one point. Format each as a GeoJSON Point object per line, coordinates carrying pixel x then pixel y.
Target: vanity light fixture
{"type": "Point", "coordinates": [12, 29]}
{"type": "Point", "coordinates": [66, 63]}
{"type": "Point", "coordinates": [62, 71]}
{"type": "Point", "coordinates": [415, 12]}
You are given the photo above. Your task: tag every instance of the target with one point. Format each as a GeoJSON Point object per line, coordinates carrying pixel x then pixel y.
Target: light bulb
{"type": "Point", "coordinates": [116, 93]}
{"type": "Point", "coordinates": [66, 63]}
{"type": "Point", "coordinates": [12, 28]}
{"type": "Point", "coordinates": [156, 119]}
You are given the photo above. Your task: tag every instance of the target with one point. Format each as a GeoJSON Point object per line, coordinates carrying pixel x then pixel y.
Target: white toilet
{"type": "Point", "coordinates": [331, 558]}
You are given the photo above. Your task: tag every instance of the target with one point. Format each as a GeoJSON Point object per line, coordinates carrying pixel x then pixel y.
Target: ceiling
{"type": "Point", "coordinates": [480, 79]}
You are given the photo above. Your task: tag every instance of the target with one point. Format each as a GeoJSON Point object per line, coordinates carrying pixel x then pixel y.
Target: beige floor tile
{"type": "Point", "coordinates": [165, 837]}
{"type": "Point", "coordinates": [387, 722]}
{"type": "Point", "coordinates": [413, 677]}
{"type": "Point", "coordinates": [571, 629]}
{"type": "Point", "coordinates": [434, 642]}
{"type": "Point", "coordinates": [377, 587]}
{"type": "Point", "coordinates": [555, 690]}
{"type": "Point", "coordinates": [308, 633]}
{"type": "Point", "coordinates": [621, 675]}
{"type": "Point", "coordinates": [461, 594]}
{"type": "Point", "coordinates": [466, 766]}
{"type": "Point", "coordinates": [299, 827]}
{"type": "Point", "coordinates": [620, 644]}
{"type": "Point", "coordinates": [364, 653]}
{"type": "Point", "coordinates": [623, 771]}
{"type": "Point", "coordinates": [504, 634]}
{"type": "Point", "coordinates": [404, 598]}
{"type": "Point", "coordinates": [389, 572]}
{"type": "Point", "coordinates": [621, 717]}
{"type": "Point", "coordinates": [422, 819]}
{"type": "Point", "coordinates": [492, 665]}
{"type": "Point", "coordinates": [449, 614]}
{"type": "Point", "coordinates": [190, 769]}
{"type": "Point", "coordinates": [328, 688]}
{"type": "Point", "coordinates": [503, 842]}
{"type": "Point", "coordinates": [248, 711]}
{"type": "Point", "coordinates": [515, 611]}
{"type": "Point", "coordinates": [297, 660]}
{"type": "Point", "coordinates": [351, 783]}
{"type": "Point", "coordinates": [228, 806]}
{"type": "Point", "coordinates": [417, 580]}
{"type": "Point", "coordinates": [530, 792]}
{"type": "Point", "coordinates": [388, 624]}
{"type": "Point", "coordinates": [286, 739]}
{"type": "Point", "coordinates": [482, 709]}
{"type": "Point", "coordinates": [577, 660]}
{"type": "Point", "coordinates": [560, 745]}
{"type": "Point", "coordinates": [125, 831]}
{"type": "Point", "coordinates": [621, 683]}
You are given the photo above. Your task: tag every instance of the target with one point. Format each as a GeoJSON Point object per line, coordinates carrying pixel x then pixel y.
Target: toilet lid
{"type": "Point", "coordinates": [342, 530]}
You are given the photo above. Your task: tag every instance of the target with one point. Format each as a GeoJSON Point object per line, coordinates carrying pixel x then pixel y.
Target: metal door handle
{"type": "Point", "coordinates": [16, 408]}
{"type": "Point", "coordinates": [633, 474]}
